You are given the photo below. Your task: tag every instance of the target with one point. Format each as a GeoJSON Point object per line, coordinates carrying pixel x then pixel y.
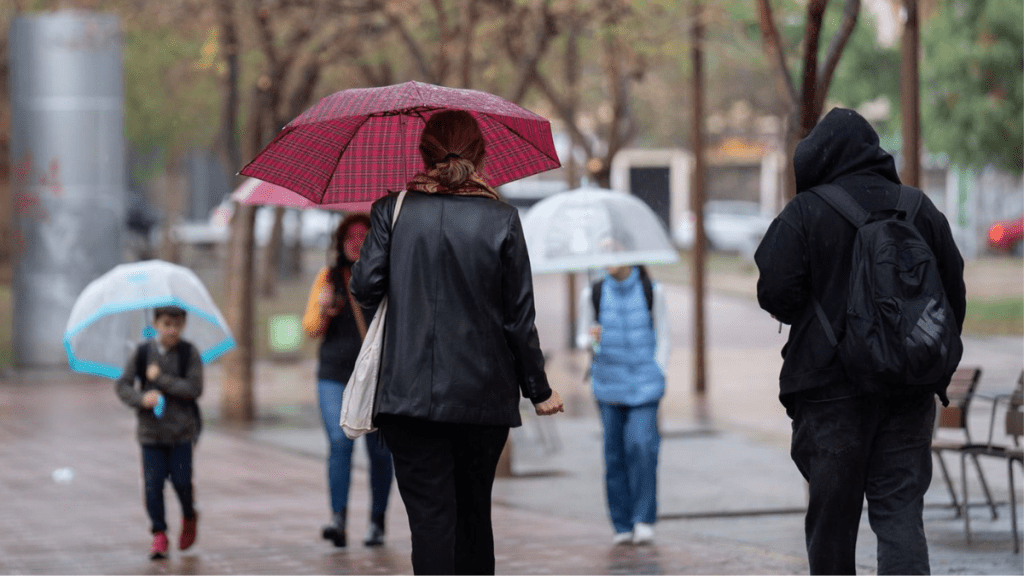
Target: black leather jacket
{"type": "Point", "coordinates": [460, 341]}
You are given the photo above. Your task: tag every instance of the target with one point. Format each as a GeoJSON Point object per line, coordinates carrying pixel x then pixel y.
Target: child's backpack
{"type": "Point", "coordinates": [645, 279]}
{"type": "Point", "coordinates": [184, 351]}
{"type": "Point", "coordinates": [900, 328]}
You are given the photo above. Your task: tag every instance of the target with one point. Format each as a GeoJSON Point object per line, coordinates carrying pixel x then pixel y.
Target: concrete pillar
{"type": "Point", "coordinates": [68, 169]}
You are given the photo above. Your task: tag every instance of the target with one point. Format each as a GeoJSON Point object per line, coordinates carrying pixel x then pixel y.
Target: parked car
{"type": "Point", "coordinates": [1007, 236]}
{"type": "Point", "coordinates": [317, 226]}
{"type": "Point", "coordinates": [730, 225]}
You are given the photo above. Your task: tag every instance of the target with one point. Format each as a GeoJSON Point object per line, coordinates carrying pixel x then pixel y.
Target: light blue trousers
{"type": "Point", "coordinates": [631, 443]}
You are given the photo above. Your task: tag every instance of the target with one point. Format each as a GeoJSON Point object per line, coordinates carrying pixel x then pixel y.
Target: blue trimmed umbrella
{"type": "Point", "coordinates": [115, 313]}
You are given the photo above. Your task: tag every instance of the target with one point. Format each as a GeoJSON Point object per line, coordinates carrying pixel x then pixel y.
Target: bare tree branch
{"type": "Point", "coordinates": [414, 48]}
{"type": "Point", "coordinates": [516, 43]}
{"type": "Point", "coordinates": [444, 36]}
{"type": "Point", "coordinates": [835, 50]}
{"type": "Point", "coordinates": [565, 113]}
{"type": "Point", "coordinates": [773, 47]}
{"type": "Point", "coordinates": [470, 15]}
{"type": "Point", "coordinates": [809, 88]}
{"type": "Point", "coordinates": [230, 44]}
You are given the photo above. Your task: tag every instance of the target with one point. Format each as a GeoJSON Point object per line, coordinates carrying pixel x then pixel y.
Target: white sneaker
{"type": "Point", "coordinates": [643, 533]}
{"type": "Point", "coordinates": [622, 538]}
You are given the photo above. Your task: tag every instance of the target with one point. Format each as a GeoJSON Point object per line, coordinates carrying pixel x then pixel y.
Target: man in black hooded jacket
{"type": "Point", "coordinates": [850, 439]}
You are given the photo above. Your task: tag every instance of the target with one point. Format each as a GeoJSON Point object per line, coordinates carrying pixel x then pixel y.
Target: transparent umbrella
{"type": "Point", "coordinates": [589, 228]}
{"type": "Point", "coordinates": [115, 312]}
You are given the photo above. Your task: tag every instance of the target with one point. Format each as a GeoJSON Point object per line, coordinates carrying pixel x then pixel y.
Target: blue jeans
{"type": "Point", "coordinates": [339, 459]}
{"type": "Point", "coordinates": [865, 445]}
{"type": "Point", "coordinates": [158, 462]}
{"type": "Point", "coordinates": [631, 443]}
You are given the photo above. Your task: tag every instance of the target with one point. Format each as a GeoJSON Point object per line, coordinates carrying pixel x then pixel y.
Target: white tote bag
{"type": "Point", "coordinates": [357, 401]}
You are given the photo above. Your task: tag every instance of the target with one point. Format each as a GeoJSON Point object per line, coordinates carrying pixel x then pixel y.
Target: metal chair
{"type": "Point", "coordinates": [961, 392]}
{"type": "Point", "coordinates": [1014, 423]}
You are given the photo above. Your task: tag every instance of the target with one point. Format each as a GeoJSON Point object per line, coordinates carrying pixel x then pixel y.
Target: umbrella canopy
{"type": "Point", "coordinates": [594, 228]}
{"type": "Point", "coordinates": [114, 313]}
{"type": "Point", "coordinates": [356, 145]}
{"type": "Point", "coordinates": [257, 192]}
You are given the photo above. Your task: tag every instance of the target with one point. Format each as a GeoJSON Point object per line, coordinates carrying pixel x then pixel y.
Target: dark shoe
{"type": "Point", "coordinates": [335, 532]}
{"type": "Point", "coordinates": [375, 534]}
{"type": "Point", "coordinates": [189, 530]}
{"type": "Point", "coordinates": [158, 551]}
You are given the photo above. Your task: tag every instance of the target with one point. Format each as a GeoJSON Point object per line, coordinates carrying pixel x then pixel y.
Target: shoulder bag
{"type": "Point", "coordinates": [357, 401]}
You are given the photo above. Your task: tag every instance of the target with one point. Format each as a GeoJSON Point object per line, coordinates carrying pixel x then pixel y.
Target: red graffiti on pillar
{"type": "Point", "coordinates": [22, 170]}
{"type": "Point", "coordinates": [18, 245]}
{"type": "Point", "coordinates": [28, 205]}
{"type": "Point", "coordinates": [51, 179]}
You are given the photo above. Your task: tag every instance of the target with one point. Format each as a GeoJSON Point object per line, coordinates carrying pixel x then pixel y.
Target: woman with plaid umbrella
{"type": "Point", "coordinates": [461, 345]}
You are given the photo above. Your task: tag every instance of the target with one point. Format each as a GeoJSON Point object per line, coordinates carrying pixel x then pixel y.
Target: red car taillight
{"type": "Point", "coordinates": [995, 233]}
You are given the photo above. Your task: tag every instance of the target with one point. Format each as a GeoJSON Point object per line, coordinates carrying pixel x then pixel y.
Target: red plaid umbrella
{"type": "Point", "coordinates": [357, 145]}
{"type": "Point", "coordinates": [257, 192]}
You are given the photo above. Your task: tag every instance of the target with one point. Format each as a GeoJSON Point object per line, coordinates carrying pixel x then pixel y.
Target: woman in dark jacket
{"type": "Point", "coordinates": [460, 343]}
{"type": "Point", "coordinates": [332, 315]}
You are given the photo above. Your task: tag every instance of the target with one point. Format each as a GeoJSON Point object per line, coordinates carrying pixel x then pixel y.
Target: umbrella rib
{"type": "Point", "coordinates": [522, 138]}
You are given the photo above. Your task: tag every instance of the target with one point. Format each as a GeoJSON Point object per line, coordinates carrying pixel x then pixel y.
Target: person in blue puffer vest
{"type": "Point", "coordinates": [624, 319]}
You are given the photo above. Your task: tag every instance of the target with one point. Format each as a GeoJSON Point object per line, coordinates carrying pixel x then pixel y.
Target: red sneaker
{"type": "Point", "coordinates": [158, 550]}
{"type": "Point", "coordinates": [189, 529]}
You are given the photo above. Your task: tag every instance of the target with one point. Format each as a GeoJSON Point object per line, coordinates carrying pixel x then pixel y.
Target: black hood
{"type": "Point", "coordinates": [842, 144]}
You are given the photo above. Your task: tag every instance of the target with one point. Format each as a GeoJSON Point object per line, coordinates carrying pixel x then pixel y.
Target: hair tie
{"type": "Point", "coordinates": [449, 156]}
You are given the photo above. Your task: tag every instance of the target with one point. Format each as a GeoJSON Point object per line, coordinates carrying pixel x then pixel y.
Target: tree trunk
{"type": "Point", "coordinates": [293, 261]}
{"type": "Point", "coordinates": [230, 46]}
{"type": "Point", "coordinates": [272, 255]}
{"type": "Point", "coordinates": [791, 139]}
{"type": "Point", "coordinates": [237, 403]}
{"type": "Point", "coordinates": [171, 190]}
{"type": "Point", "coordinates": [228, 139]}
{"type": "Point", "coordinates": [909, 98]}
{"type": "Point", "coordinates": [699, 374]}
{"type": "Point", "coordinates": [6, 216]}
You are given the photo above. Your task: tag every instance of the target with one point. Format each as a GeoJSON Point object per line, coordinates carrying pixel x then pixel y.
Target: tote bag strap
{"type": "Point", "coordinates": [398, 208]}
{"type": "Point", "coordinates": [357, 311]}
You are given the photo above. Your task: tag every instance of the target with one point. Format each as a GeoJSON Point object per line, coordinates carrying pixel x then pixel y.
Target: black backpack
{"type": "Point", "coordinates": [184, 351]}
{"type": "Point", "coordinates": [645, 279]}
{"type": "Point", "coordinates": [900, 328]}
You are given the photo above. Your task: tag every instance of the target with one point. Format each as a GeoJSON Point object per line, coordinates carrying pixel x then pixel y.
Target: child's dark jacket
{"type": "Point", "coordinates": [180, 421]}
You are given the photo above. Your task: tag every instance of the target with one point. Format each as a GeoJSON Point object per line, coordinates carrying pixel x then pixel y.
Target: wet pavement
{"type": "Point", "coordinates": [730, 499]}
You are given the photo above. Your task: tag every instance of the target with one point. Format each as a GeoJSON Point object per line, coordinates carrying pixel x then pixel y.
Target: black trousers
{"type": "Point", "coordinates": [865, 445]}
{"type": "Point", "coordinates": [445, 473]}
{"type": "Point", "coordinates": [162, 461]}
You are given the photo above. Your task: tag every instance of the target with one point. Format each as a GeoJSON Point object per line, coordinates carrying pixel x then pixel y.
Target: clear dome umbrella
{"type": "Point", "coordinates": [590, 228]}
{"type": "Point", "coordinates": [114, 313]}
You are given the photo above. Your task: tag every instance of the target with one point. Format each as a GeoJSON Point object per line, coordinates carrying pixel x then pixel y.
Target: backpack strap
{"type": "Point", "coordinates": [842, 202]}
{"type": "Point", "coordinates": [909, 202]}
{"type": "Point", "coordinates": [184, 350]}
{"type": "Point", "coordinates": [829, 333]}
{"type": "Point", "coordinates": [141, 358]}
{"type": "Point", "coordinates": [645, 280]}
{"type": "Point", "coordinates": [595, 297]}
